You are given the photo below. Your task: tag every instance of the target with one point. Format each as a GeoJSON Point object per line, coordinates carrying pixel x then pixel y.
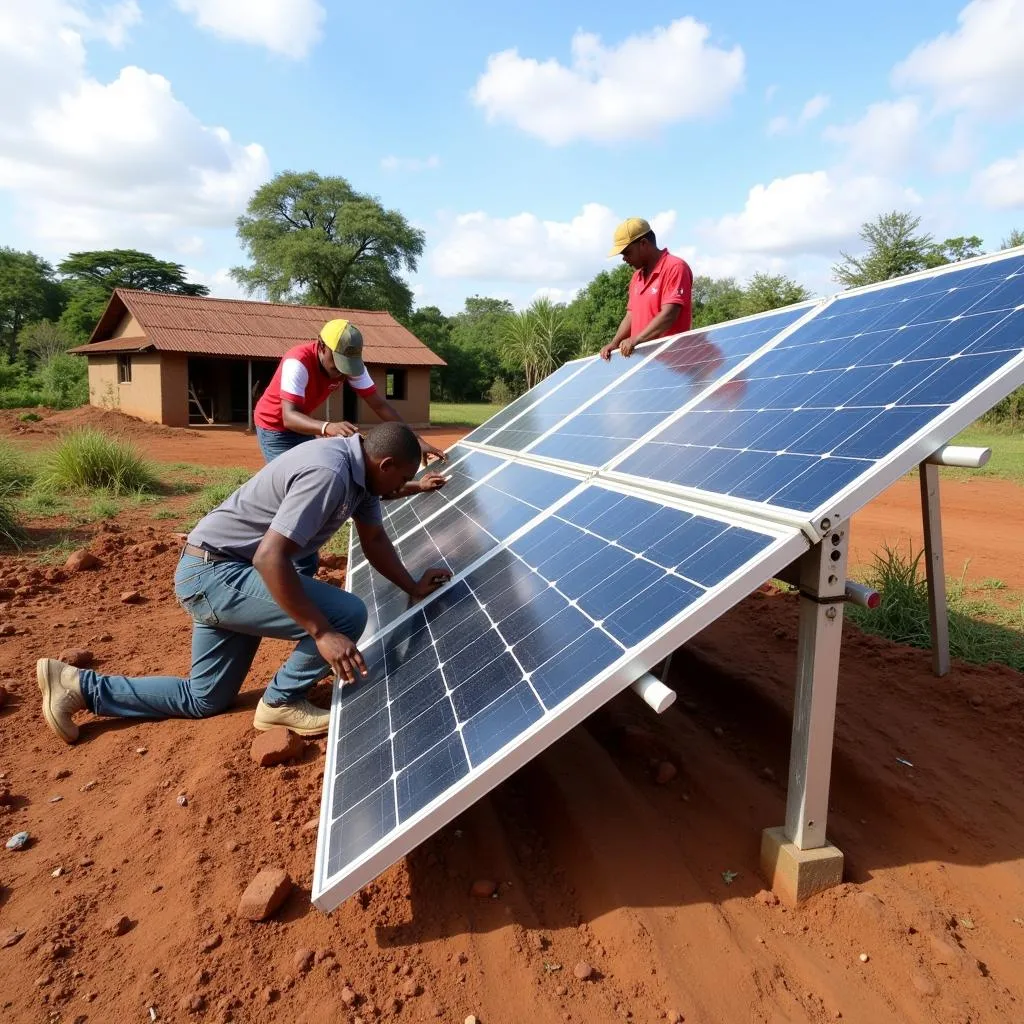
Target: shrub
{"type": "Point", "coordinates": [499, 393]}
{"type": "Point", "coordinates": [89, 459]}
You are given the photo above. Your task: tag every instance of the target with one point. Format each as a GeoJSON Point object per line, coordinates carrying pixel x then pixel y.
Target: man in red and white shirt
{"type": "Point", "coordinates": [660, 291]}
{"type": "Point", "coordinates": [305, 377]}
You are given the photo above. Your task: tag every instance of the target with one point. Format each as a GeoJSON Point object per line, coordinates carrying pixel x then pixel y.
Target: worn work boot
{"type": "Point", "coordinates": [303, 718]}
{"type": "Point", "coordinates": [62, 696]}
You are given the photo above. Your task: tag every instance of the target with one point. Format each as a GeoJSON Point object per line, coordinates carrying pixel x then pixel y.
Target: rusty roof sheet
{"type": "Point", "coordinates": [197, 325]}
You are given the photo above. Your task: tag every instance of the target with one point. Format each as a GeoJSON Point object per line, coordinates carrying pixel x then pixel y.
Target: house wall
{"type": "Point", "coordinates": [174, 390]}
{"type": "Point", "coordinates": [129, 327]}
{"type": "Point", "coordinates": [414, 408]}
{"type": "Point", "coordinates": [141, 397]}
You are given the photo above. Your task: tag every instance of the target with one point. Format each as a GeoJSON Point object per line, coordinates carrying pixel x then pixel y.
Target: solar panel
{"type": "Point", "coordinates": [811, 418]}
{"type": "Point", "coordinates": [539, 632]}
{"type": "Point", "coordinates": [638, 402]}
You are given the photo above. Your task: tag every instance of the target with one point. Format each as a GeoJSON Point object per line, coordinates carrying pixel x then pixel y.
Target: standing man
{"type": "Point", "coordinates": [306, 375]}
{"type": "Point", "coordinates": [236, 577]}
{"type": "Point", "coordinates": [660, 291]}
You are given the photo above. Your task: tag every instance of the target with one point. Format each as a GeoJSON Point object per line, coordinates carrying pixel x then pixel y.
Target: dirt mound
{"type": "Point", "coordinates": [145, 835]}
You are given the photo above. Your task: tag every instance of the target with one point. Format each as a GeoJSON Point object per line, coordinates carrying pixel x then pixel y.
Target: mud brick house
{"type": "Point", "coordinates": [183, 359]}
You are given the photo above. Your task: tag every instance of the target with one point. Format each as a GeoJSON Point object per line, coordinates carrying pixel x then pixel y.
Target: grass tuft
{"type": "Point", "coordinates": [979, 631]}
{"type": "Point", "coordinates": [88, 459]}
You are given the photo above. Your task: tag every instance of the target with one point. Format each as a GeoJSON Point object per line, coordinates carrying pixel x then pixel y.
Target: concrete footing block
{"type": "Point", "coordinates": [795, 874]}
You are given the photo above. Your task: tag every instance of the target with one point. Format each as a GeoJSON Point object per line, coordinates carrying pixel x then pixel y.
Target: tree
{"type": "Point", "coordinates": [473, 350]}
{"type": "Point", "coordinates": [28, 292]}
{"type": "Point", "coordinates": [65, 381]}
{"type": "Point", "coordinates": [771, 291]}
{"type": "Point", "coordinates": [91, 277]}
{"type": "Point", "coordinates": [716, 300]}
{"type": "Point", "coordinates": [894, 249]}
{"type": "Point", "coordinates": [315, 239]}
{"type": "Point", "coordinates": [595, 313]}
{"type": "Point", "coordinates": [536, 341]}
{"type": "Point", "coordinates": [953, 250]}
{"type": "Point", "coordinates": [1013, 239]}
{"type": "Point", "coordinates": [41, 341]}
{"type": "Point", "coordinates": [434, 329]}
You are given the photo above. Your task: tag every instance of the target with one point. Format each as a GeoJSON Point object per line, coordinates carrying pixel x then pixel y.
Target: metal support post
{"type": "Point", "coordinates": [822, 589]}
{"type": "Point", "coordinates": [938, 615]}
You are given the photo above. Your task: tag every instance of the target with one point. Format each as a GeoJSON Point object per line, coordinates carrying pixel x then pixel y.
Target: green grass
{"type": "Point", "coordinates": [979, 630]}
{"type": "Point", "coordinates": [88, 459]}
{"type": "Point", "coordinates": [227, 482]}
{"type": "Point", "coordinates": [12, 534]}
{"type": "Point", "coordinates": [17, 470]}
{"type": "Point", "coordinates": [166, 513]}
{"type": "Point", "coordinates": [1007, 462]}
{"type": "Point", "coordinates": [451, 414]}
{"type": "Point", "coordinates": [338, 544]}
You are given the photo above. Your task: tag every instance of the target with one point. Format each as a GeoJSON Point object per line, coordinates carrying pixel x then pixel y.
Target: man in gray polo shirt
{"type": "Point", "coordinates": [237, 579]}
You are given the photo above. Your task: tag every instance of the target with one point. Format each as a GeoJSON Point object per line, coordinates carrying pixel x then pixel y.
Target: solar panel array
{"type": "Point", "coordinates": [604, 517]}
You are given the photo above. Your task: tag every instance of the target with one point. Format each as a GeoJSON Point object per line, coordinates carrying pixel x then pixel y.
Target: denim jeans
{"type": "Point", "coordinates": [231, 610]}
{"type": "Point", "coordinates": [276, 442]}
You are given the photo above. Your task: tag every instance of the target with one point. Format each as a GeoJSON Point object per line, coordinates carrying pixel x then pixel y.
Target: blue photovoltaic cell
{"type": "Point", "coordinates": [498, 650]}
{"type": "Point", "coordinates": [595, 375]}
{"type": "Point", "coordinates": [461, 533]}
{"type": "Point", "coordinates": [676, 375]}
{"type": "Point", "coordinates": [844, 390]}
{"type": "Point", "coordinates": [484, 433]}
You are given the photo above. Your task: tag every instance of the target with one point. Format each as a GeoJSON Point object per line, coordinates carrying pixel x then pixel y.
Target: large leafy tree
{"type": "Point", "coordinates": [91, 277]}
{"type": "Point", "coordinates": [28, 292]}
{"type": "Point", "coordinates": [39, 342]}
{"type": "Point", "coordinates": [1013, 239]}
{"type": "Point", "coordinates": [472, 350]}
{"type": "Point", "coordinates": [953, 250]}
{"type": "Point", "coordinates": [595, 313]}
{"type": "Point", "coordinates": [315, 239]}
{"type": "Point", "coordinates": [715, 300]}
{"type": "Point", "coordinates": [770, 291]}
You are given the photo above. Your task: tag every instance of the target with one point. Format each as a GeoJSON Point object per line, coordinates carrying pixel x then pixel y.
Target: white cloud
{"type": "Point", "coordinates": [814, 107]}
{"type": "Point", "coordinates": [885, 139]}
{"type": "Point", "coordinates": [769, 93]}
{"type": "Point", "coordinates": [555, 295]}
{"type": "Point", "coordinates": [612, 93]}
{"type": "Point", "coordinates": [526, 248]}
{"type": "Point", "coordinates": [781, 124]}
{"type": "Point", "coordinates": [221, 284]}
{"type": "Point", "coordinates": [410, 164]}
{"type": "Point", "coordinates": [979, 66]}
{"type": "Point", "coordinates": [1001, 184]}
{"type": "Point", "coordinates": [121, 162]}
{"type": "Point", "coordinates": [288, 27]}
{"type": "Point", "coordinates": [814, 212]}
{"type": "Point", "coordinates": [778, 125]}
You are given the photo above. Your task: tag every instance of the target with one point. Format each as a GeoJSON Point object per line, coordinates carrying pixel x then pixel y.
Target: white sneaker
{"type": "Point", "coordinates": [62, 696]}
{"type": "Point", "coordinates": [302, 717]}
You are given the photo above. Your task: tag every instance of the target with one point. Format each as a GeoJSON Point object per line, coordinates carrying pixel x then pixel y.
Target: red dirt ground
{"type": "Point", "coordinates": [594, 861]}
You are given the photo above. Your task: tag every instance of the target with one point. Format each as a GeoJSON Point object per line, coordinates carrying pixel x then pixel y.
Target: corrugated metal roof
{"type": "Point", "coordinates": [237, 327]}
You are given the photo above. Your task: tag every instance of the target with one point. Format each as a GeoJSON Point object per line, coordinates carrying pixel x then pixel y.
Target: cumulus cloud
{"type": "Point", "coordinates": [611, 93]}
{"type": "Point", "coordinates": [886, 138]}
{"type": "Point", "coordinates": [978, 67]}
{"type": "Point", "coordinates": [288, 27]}
{"type": "Point", "coordinates": [811, 110]}
{"type": "Point", "coordinates": [1001, 184]}
{"type": "Point", "coordinates": [527, 248]}
{"type": "Point", "coordinates": [410, 164]}
{"type": "Point", "coordinates": [813, 212]}
{"type": "Point", "coordinates": [118, 162]}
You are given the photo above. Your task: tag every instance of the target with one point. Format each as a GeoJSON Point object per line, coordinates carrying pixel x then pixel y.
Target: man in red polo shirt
{"type": "Point", "coordinates": [306, 375]}
{"type": "Point", "coordinates": [660, 291]}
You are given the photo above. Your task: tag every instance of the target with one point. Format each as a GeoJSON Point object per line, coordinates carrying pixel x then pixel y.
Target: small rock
{"type": "Point", "coordinates": [666, 773]}
{"type": "Point", "coordinates": [212, 943]}
{"type": "Point", "coordinates": [56, 872]}
{"type": "Point", "coordinates": [977, 700]}
{"type": "Point", "coordinates": [311, 826]}
{"type": "Point", "coordinates": [276, 746]}
{"type": "Point", "coordinates": [718, 731]}
{"type": "Point", "coordinates": [85, 862]}
{"type": "Point", "coordinates": [767, 897]}
{"type": "Point", "coordinates": [3, 696]}
{"type": "Point", "coordinates": [8, 629]}
{"type": "Point", "coordinates": [56, 799]}
{"type": "Point", "coordinates": [105, 638]}
{"type": "Point", "coordinates": [483, 889]}
{"type": "Point", "coordinates": [561, 990]}
{"type": "Point", "coordinates": [767, 773]}
{"type": "Point", "coordinates": [200, 978]}
{"type": "Point", "coordinates": [583, 970]}
{"type": "Point", "coordinates": [62, 773]}
{"type": "Point", "coordinates": [271, 995]}
{"type": "Point", "coordinates": [182, 800]}
{"type": "Point", "coordinates": [18, 841]}
{"type": "Point", "coordinates": [231, 846]}
{"type": "Point", "coordinates": [130, 597]}
{"type": "Point", "coordinates": [471, 1019]}
{"type": "Point", "coordinates": [412, 988]}
{"type": "Point", "coordinates": [324, 954]}
{"type": "Point", "coordinates": [348, 996]}
{"type": "Point", "coordinates": [88, 786]}
{"type": "Point", "coordinates": [864, 958]}
{"type": "Point", "coordinates": [193, 1004]}
{"type": "Point", "coordinates": [924, 985]}
{"type": "Point", "coordinates": [77, 656]}
{"type": "Point", "coordinates": [538, 942]}
{"type": "Point", "coordinates": [265, 893]}
{"type": "Point", "coordinates": [303, 960]}
{"type": "Point", "coordinates": [12, 938]}
{"type": "Point", "coordinates": [81, 560]}
{"type": "Point", "coordinates": [674, 1017]}
{"type": "Point", "coordinates": [142, 750]}
{"type": "Point", "coordinates": [118, 925]}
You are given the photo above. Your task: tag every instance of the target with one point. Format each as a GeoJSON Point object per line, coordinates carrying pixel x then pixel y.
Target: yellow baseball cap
{"type": "Point", "coordinates": [628, 231]}
{"type": "Point", "coordinates": [345, 341]}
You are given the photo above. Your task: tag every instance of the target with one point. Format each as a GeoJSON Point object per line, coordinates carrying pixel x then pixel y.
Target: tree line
{"type": "Point", "coordinates": [315, 240]}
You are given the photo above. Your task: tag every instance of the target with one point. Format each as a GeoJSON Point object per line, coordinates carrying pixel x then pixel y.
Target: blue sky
{"type": "Point", "coordinates": [515, 137]}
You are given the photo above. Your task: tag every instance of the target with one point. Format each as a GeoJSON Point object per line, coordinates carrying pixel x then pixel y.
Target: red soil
{"type": "Point", "coordinates": [593, 860]}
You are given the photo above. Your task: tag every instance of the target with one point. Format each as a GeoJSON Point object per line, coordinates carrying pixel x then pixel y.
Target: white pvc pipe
{"type": "Point", "coordinates": [959, 455]}
{"type": "Point", "coordinates": [654, 692]}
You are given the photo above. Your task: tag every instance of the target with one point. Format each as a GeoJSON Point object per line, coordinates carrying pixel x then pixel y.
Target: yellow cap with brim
{"type": "Point", "coordinates": [627, 232]}
{"type": "Point", "coordinates": [345, 341]}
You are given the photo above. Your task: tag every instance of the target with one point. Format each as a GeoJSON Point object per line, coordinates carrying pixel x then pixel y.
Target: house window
{"type": "Point", "coordinates": [124, 369]}
{"type": "Point", "coordinates": [394, 384]}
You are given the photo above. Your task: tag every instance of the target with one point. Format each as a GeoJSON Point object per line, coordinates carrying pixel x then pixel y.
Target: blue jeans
{"type": "Point", "coordinates": [232, 610]}
{"type": "Point", "coordinates": [276, 442]}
